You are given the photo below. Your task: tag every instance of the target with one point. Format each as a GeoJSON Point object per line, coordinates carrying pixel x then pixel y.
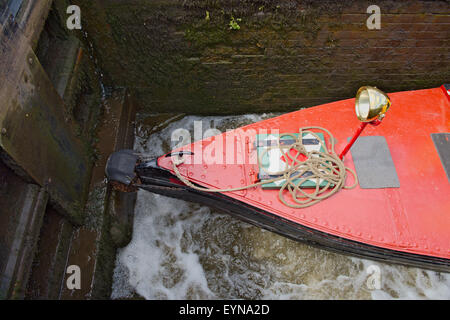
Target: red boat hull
{"type": "Point", "coordinates": [412, 219]}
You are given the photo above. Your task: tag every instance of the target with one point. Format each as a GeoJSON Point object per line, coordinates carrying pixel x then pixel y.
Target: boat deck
{"type": "Point", "coordinates": [413, 218]}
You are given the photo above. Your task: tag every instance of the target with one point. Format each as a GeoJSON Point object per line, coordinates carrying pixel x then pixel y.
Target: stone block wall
{"type": "Point", "coordinates": [227, 57]}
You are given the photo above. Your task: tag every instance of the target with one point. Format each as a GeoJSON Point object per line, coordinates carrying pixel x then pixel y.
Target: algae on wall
{"type": "Point", "coordinates": [219, 57]}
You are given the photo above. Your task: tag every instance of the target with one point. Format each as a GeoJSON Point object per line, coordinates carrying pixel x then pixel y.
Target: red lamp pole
{"type": "Point", "coordinates": [356, 135]}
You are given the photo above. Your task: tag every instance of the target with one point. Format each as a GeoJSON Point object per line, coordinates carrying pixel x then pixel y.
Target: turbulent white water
{"type": "Point", "coordinates": [182, 250]}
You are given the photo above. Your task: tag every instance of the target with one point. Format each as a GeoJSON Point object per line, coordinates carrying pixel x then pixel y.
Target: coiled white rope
{"type": "Point", "coordinates": [326, 168]}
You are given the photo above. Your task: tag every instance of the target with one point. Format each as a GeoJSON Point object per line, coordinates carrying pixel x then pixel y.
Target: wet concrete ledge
{"type": "Point", "coordinates": [107, 226]}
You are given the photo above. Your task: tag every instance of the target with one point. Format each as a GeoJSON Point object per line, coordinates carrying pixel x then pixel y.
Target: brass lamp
{"type": "Point", "coordinates": [371, 105]}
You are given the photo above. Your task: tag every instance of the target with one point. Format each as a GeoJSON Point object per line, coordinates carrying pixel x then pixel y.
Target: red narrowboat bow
{"type": "Point", "coordinates": [398, 210]}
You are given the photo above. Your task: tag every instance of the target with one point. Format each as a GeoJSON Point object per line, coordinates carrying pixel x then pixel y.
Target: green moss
{"type": "Point", "coordinates": [234, 23]}
{"type": "Point", "coordinates": [204, 37]}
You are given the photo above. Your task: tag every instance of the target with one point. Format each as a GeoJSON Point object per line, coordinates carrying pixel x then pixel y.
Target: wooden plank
{"type": "Point", "coordinates": [34, 130]}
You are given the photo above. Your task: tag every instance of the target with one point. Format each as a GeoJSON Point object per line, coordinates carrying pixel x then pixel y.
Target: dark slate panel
{"type": "Point", "coordinates": [442, 144]}
{"type": "Point", "coordinates": [373, 163]}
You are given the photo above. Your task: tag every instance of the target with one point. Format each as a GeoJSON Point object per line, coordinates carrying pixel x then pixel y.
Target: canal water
{"type": "Point", "coordinates": [182, 250]}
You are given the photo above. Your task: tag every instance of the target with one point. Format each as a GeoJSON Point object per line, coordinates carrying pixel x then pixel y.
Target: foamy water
{"type": "Point", "coordinates": [182, 250]}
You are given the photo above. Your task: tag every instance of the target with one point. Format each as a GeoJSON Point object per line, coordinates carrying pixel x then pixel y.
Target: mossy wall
{"type": "Point", "coordinates": [228, 57]}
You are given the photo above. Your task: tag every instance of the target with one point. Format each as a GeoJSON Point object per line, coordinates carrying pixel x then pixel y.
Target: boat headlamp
{"type": "Point", "coordinates": [371, 104]}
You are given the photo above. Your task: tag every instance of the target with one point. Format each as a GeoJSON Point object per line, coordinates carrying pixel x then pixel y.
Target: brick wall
{"type": "Point", "coordinates": [182, 56]}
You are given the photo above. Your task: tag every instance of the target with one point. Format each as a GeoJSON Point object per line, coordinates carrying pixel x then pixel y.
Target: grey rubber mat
{"type": "Point", "coordinates": [442, 144]}
{"type": "Point", "coordinates": [373, 163]}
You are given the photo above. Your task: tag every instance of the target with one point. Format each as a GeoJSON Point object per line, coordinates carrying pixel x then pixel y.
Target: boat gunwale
{"type": "Point", "coordinates": [293, 230]}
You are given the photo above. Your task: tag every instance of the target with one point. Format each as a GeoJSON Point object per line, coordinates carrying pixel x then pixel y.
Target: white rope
{"type": "Point", "coordinates": [326, 168]}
